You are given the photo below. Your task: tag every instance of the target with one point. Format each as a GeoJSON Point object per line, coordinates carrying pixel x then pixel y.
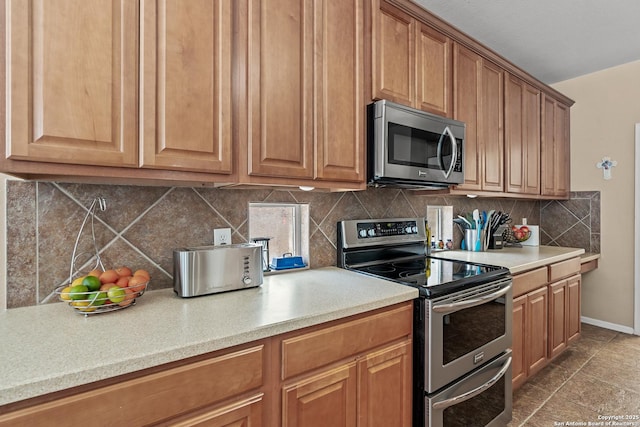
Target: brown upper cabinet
{"type": "Point", "coordinates": [479, 102]}
{"type": "Point", "coordinates": [72, 70]}
{"type": "Point", "coordinates": [411, 62]}
{"type": "Point", "coordinates": [305, 109]}
{"type": "Point", "coordinates": [522, 137]}
{"type": "Point", "coordinates": [555, 148]}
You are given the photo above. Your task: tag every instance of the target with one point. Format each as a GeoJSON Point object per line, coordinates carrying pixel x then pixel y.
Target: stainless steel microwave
{"type": "Point", "coordinates": [410, 148]}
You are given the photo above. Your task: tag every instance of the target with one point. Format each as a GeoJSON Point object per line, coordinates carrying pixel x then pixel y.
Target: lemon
{"type": "Point", "coordinates": [78, 281]}
{"type": "Point", "coordinates": [78, 292]}
{"type": "Point", "coordinates": [83, 306]}
{"type": "Point", "coordinates": [92, 283]}
{"type": "Point", "coordinates": [65, 294]}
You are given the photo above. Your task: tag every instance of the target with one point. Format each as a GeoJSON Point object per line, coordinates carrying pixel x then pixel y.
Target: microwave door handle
{"type": "Point", "coordinates": [476, 391]}
{"type": "Point", "coordinates": [450, 308]}
{"type": "Point", "coordinates": [454, 148]}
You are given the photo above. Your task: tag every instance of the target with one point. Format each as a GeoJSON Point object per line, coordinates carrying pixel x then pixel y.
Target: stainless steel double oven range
{"type": "Point", "coordinates": [462, 321]}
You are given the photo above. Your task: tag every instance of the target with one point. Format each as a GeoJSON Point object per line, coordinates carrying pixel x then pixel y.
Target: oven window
{"type": "Point", "coordinates": [415, 147]}
{"type": "Point", "coordinates": [479, 410]}
{"type": "Point", "coordinates": [467, 330]}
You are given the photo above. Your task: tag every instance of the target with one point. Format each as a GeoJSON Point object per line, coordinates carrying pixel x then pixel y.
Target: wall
{"type": "Point", "coordinates": [602, 124]}
{"type": "Point", "coordinates": [142, 225]}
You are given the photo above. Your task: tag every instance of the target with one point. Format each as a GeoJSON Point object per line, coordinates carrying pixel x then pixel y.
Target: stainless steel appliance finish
{"type": "Point", "coordinates": [207, 270]}
{"type": "Point", "coordinates": [411, 148]}
{"type": "Point", "coordinates": [480, 399]}
{"type": "Point", "coordinates": [462, 319]}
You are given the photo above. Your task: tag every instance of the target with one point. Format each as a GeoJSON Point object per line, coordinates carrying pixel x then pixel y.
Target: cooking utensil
{"type": "Point", "coordinates": [476, 218]}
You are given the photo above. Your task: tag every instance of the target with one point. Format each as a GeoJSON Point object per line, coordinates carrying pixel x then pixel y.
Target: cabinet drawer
{"type": "Point", "coordinates": [563, 269]}
{"type": "Point", "coordinates": [526, 282]}
{"type": "Point", "coordinates": [319, 348]}
{"type": "Point", "coordinates": [154, 397]}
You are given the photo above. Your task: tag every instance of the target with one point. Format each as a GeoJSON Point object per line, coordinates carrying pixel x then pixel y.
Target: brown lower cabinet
{"type": "Point", "coordinates": [354, 371]}
{"type": "Point", "coordinates": [546, 316]}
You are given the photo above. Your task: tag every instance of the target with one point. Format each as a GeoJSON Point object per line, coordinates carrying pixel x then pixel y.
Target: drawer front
{"type": "Point", "coordinates": [155, 397]}
{"type": "Point", "coordinates": [319, 348]}
{"type": "Point", "coordinates": [564, 269]}
{"type": "Point", "coordinates": [527, 282]}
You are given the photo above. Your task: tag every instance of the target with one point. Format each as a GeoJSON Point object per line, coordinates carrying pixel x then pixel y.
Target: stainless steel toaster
{"type": "Point", "coordinates": [207, 270]}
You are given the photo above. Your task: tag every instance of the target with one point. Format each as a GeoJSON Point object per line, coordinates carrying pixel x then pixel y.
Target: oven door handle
{"type": "Point", "coordinates": [450, 308]}
{"type": "Point", "coordinates": [476, 391]}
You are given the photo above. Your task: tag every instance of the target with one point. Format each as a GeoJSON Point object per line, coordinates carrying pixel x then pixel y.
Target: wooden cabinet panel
{"type": "Point", "coordinates": [186, 85]}
{"type": "Point", "coordinates": [72, 68]}
{"type": "Point", "coordinates": [518, 344]}
{"type": "Point", "coordinates": [537, 324]}
{"type": "Point", "coordinates": [555, 167]}
{"type": "Point", "coordinates": [385, 387]}
{"type": "Point", "coordinates": [175, 391]}
{"type": "Point", "coordinates": [492, 127]}
{"type": "Point", "coordinates": [479, 102]}
{"type": "Point", "coordinates": [522, 137]}
{"type": "Point", "coordinates": [526, 282]}
{"type": "Point", "coordinates": [326, 399]}
{"type": "Point", "coordinates": [339, 91]}
{"type": "Point", "coordinates": [245, 413]}
{"type": "Point", "coordinates": [316, 349]}
{"type": "Point", "coordinates": [558, 304]}
{"type": "Point", "coordinates": [393, 54]}
{"type": "Point", "coordinates": [434, 71]}
{"type": "Point", "coordinates": [467, 90]}
{"type": "Point", "coordinates": [280, 90]}
{"type": "Point", "coordinates": [563, 269]}
{"type": "Point", "coordinates": [574, 285]}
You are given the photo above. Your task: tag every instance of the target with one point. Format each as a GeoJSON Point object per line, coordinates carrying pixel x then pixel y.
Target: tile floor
{"type": "Point", "coordinates": [597, 376]}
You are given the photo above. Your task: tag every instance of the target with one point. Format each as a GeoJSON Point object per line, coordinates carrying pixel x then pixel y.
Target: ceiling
{"type": "Point", "coordinates": [553, 40]}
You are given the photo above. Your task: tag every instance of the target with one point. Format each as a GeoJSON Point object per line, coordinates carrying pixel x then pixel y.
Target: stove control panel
{"type": "Point", "coordinates": [386, 229]}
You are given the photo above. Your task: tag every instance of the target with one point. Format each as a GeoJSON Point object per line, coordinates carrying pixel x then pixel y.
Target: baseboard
{"type": "Point", "coordinates": [607, 325]}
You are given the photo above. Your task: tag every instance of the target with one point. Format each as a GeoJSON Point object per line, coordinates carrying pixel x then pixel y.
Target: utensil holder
{"type": "Point", "coordinates": [470, 239]}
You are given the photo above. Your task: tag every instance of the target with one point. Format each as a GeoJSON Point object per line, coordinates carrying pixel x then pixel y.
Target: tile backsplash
{"type": "Point", "coordinates": [142, 225]}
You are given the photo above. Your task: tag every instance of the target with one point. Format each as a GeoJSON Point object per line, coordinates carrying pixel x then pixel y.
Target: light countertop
{"type": "Point", "coordinates": [517, 260]}
{"type": "Point", "coordinates": [50, 347]}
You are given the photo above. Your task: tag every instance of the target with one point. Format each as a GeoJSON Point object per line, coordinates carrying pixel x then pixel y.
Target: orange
{"type": "Point", "coordinates": [92, 283]}
{"type": "Point", "coordinates": [143, 273]}
{"type": "Point", "coordinates": [107, 286]}
{"type": "Point", "coordinates": [123, 281]}
{"type": "Point", "coordinates": [95, 272]}
{"type": "Point", "coordinates": [109, 276]}
{"type": "Point", "coordinates": [137, 283]}
{"type": "Point", "coordinates": [123, 271]}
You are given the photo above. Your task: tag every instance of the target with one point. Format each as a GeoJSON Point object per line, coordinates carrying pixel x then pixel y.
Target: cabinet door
{"type": "Point", "coordinates": [573, 297]}
{"type": "Point", "coordinates": [537, 323]}
{"type": "Point", "coordinates": [434, 71]}
{"type": "Point", "coordinates": [491, 127]}
{"type": "Point", "coordinates": [555, 167]}
{"type": "Point", "coordinates": [72, 67]}
{"type": "Point", "coordinates": [393, 54]}
{"type": "Point", "coordinates": [467, 70]}
{"type": "Point", "coordinates": [558, 305]}
{"type": "Point", "coordinates": [522, 137]}
{"type": "Point", "coordinates": [280, 89]}
{"type": "Point", "coordinates": [518, 345]}
{"type": "Point", "coordinates": [326, 399]}
{"type": "Point", "coordinates": [339, 92]}
{"type": "Point", "coordinates": [186, 85]}
{"type": "Point", "coordinates": [385, 384]}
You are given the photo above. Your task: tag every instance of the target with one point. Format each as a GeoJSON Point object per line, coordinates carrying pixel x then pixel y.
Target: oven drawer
{"type": "Point", "coordinates": [483, 398]}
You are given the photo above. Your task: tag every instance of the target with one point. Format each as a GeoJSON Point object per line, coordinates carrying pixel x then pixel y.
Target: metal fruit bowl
{"type": "Point", "coordinates": [96, 302]}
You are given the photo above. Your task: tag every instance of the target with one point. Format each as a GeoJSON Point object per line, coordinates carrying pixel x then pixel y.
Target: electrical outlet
{"type": "Point", "coordinates": [222, 236]}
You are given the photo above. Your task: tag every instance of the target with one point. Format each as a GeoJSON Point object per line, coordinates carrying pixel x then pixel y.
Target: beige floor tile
{"type": "Point", "coordinates": [551, 377]}
{"type": "Point", "coordinates": [526, 400]}
{"type": "Point", "coordinates": [557, 411]}
{"type": "Point", "coordinates": [596, 395]}
{"type": "Point", "coordinates": [597, 333]}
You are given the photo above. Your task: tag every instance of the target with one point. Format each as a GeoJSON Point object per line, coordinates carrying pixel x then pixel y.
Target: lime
{"type": "Point", "coordinates": [78, 292]}
{"type": "Point", "coordinates": [92, 283]}
{"type": "Point", "coordinates": [96, 298]}
{"type": "Point", "coordinates": [116, 294]}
